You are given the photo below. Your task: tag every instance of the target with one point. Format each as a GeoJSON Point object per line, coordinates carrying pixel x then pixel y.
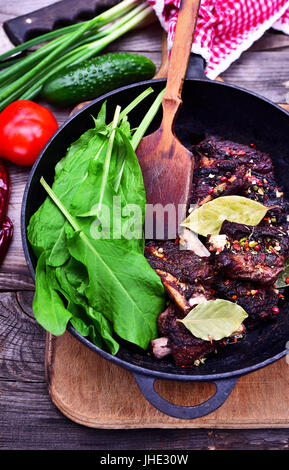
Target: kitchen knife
{"type": "Point", "coordinates": [54, 16]}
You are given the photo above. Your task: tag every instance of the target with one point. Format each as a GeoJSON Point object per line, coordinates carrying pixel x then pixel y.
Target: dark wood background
{"type": "Point", "coordinates": [29, 420]}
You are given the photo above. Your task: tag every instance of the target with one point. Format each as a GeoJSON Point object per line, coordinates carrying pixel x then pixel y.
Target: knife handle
{"type": "Point", "coordinates": [56, 15]}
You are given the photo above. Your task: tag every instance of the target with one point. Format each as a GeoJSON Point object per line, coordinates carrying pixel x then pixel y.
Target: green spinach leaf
{"type": "Point", "coordinates": [48, 306]}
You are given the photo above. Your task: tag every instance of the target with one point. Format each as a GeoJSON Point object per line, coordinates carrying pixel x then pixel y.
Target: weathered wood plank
{"type": "Point", "coordinates": [16, 8]}
{"type": "Point", "coordinates": [271, 40]}
{"type": "Point", "coordinates": [22, 340]}
{"type": "Point", "coordinates": [5, 43]}
{"type": "Point", "coordinates": [29, 420]}
{"type": "Point", "coordinates": [263, 72]}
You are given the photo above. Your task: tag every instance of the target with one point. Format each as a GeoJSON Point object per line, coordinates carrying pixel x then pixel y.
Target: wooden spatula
{"type": "Point", "coordinates": [167, 166]}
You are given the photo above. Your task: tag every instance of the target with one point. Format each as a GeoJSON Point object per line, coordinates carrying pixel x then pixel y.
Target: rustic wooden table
{"type": "Point", "coordinates": [29, 420]}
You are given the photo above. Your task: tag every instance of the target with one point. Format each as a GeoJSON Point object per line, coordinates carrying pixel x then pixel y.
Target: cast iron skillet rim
{"type": "Point", "coordinates": [128, 365]}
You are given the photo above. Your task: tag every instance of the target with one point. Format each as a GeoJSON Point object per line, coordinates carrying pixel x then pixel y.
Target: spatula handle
{"type": "Point", "coordinates": [180, 54]}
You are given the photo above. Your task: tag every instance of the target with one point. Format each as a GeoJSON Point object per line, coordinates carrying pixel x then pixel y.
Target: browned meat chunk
{"type": "Point", "coordinates": [180, 343]}
{"type": "Point", "coordinates": [264, 189]}
{"type": "Point", "coordinates": [257, 301]}
{"type": "Point", "coordinates": [224, 168]}
{"type": "Point", "coordinates": [186, 277]}
{"type": "Point", "coordinates": [251, 253]}
{"type": "Point", "coordinates": [211, 183]}
{"type": "Point", "coordinates": [214, 151]}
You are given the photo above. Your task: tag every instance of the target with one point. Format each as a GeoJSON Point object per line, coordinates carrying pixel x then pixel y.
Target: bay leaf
{"type": "Point", "coordinates": [208, 218]}
{"type": "Point", "coordinates": [214, 319]}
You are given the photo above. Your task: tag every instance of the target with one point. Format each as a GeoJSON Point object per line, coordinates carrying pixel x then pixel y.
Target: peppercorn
{"type": "Point", "coordinates": [257, 247]}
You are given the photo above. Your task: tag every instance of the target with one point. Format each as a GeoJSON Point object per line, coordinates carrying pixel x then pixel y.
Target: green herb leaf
{"type": "Point", "coordinates": [283, 275]}
{"type": "Point", "coordinates": [48, 307]}
{"type": "Point", "coordinates": [59, 253]}
{"type": "Point", "coordinates": [87, 321]}
{"type": "Point", "coordinates": [104, 287]}
{"type": "Point", "coordinates": [214, 319]}
{"type": "Point", "coordinates": [208, 219]}
{"type": "Point", "coordinates": [41, 233]}
{"type": "Point", "coordinates": [130, 298]}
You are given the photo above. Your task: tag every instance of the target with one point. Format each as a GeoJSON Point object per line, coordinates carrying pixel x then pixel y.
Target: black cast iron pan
{"type": "Point", "coordinates": [208, 107]}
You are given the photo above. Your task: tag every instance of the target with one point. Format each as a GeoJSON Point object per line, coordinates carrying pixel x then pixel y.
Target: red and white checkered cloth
{"type": "Point", "coordinates": [225, 28]}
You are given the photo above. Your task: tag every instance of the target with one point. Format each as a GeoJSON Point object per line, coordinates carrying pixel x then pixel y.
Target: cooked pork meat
{"type": "Point", "coordinates": [258, 301]}
{"type": "Point", "coordinates": [265, 190]}
{"type": "Point", "coordinates": [250, 253]}
{"type": "Point", "coordinates": [180, 343]}
{"type": "Point", "coordinates": [213, 151]}
{"type": "Point", "coordinates": [225, 168]}
{"type": "Point", "coordinates": [186, 277]}
{"type": "Point", "coordinates": [211, 183]}
{"type": "Point", "coordinates": [183, 264]}
{"type": "Point", "coordinates": [240, 264]}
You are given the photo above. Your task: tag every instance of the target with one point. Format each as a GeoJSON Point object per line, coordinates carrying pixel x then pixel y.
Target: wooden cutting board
{"type": "Point", "coordinates": [91, 391]}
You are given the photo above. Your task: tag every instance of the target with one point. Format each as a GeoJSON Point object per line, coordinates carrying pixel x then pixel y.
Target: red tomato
{"type": "Point", "coordinates": [25, 127]}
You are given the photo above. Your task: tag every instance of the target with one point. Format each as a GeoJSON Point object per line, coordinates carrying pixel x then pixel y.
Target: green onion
{"type": "Point", "coordinates": [24, 78]}
{"type": "Point", "coordinates": [89, 50]}
{"type": "Point", "coordinates": [142, 128]}
{"type": "Point", "coordinates": [108, 16]}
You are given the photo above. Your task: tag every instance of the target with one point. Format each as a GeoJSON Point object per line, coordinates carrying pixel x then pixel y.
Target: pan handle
{"type": "Point", "coordinates": [224, 388]}
{"type": "Point", "coordinates": [196, 67]}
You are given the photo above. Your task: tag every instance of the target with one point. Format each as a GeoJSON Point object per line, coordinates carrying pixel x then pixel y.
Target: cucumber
{"type": "Point", "coordinates": [94, 77]}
